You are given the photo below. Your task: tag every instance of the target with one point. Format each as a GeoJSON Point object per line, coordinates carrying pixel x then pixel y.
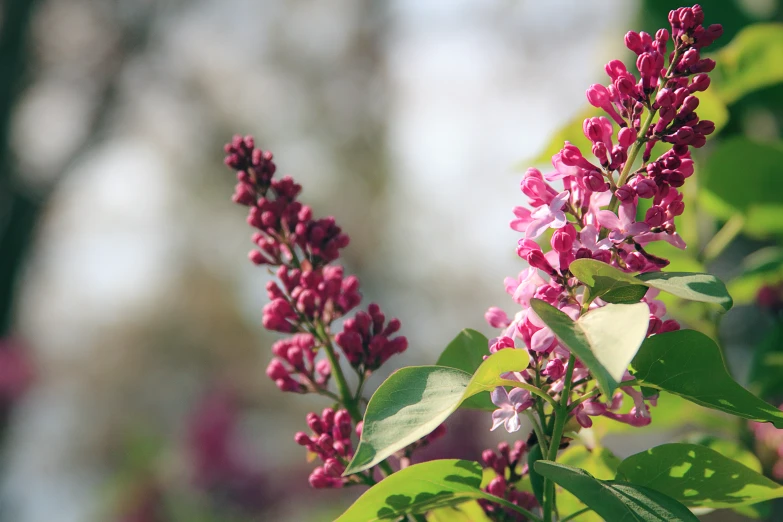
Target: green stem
{"type": "Point", "coordinates": [583, 398]}
{"type": "Point", "coordinates": [560, 415]}
{"type": "Point", "coordinates": [346, 397]}
{"type": "Point", "coordinates": [532, 389]}
{"type": "Point", "coordinates": [723, 238]}
{"type": "Point", "coordinates": [539, 432]}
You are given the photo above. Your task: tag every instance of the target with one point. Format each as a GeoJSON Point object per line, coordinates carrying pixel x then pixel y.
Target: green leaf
{"type": "Point", "coordinates": [596, 340]}
{"type": "Point", "coordinates": [598, 462]}
{"type": "Point", "coordinates": [465, 512]}
{"type": "Point", "coordinates": [605, 280]}
{"type": "Point", "coordinates": [466, 352]}
{"type": "Point", "coordinates": [615, 500]}
{"type": "Point", "coordinates": [418, 489]}
{"type": "Point", "coordinates": [690, 364]}
{"type": "Point", "coordinates": [415, 400]}
{"type": "Point", "coordinates": [698, 476]}
{"type": "Point", "coordinates": [753, 60]}
{"type": "Point", "coordinates": [754, 193]}
{"type": "Point", "coordinates": [536, 480]}
{"type": "Point", "coordinates": [704, 288]}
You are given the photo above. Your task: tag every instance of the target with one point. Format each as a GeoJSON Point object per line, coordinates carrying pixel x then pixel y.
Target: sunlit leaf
{"type": "Point", "coordinates": [698, 476]}
{"type": "Point", "coordinates": [690, 364]}
{"type": "Point", "coordinates": [415, 400]}
{"type": "Point", "coordinates": [420, 488]}
{"type": "Point", "coordinates": [466, 352]}
{"type": "Point", "coordinates": [596, 340]}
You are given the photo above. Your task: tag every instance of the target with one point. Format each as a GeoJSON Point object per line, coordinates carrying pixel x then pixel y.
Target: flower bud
{"type": "Point", "coordinates": [646, 188]}
{"type": "Point", "coordinates": [634, 42]}
{"type": "Point", "coordinates": [563, 238]}
{"type": "Point", "coordinates": [497, 486]}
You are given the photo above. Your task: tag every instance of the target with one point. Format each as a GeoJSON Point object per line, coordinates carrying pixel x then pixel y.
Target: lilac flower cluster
{"type": "Point", "coordinates": [509, 467]}
{"type": "Point", "coordinates": [595, 213]}
{"type": "Point", "coordinates": [309, 294]}
{"type": "Point", "coordinates": [330, 442]}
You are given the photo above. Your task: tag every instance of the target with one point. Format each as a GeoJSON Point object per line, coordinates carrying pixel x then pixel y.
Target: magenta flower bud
{"type": "Point", "coordinates": [600, 152]}
{"type": "Point", "coordinates": [571, 156]}
{"type": "Point", "coordinates": [497, 486]}
{"type": "Point", "coordinates": [563, 238]}
{"type": "Point", "coordinates": [604, 256]}
{"type": "Point", "coordinates": [626, 137]}
{"type": "Point", "coordinates": [687, 19]}
{"type": "Point", "coordinates": [690, 57]}
{"type": "Point", "coordinates": [583, 253]}
{"type": "Point", "coordinates": [703, 66]}
{"type": "Point", "coordinates": [333, 467]}
{"type": "Point", "coordinates": [615, 69]}
{"type": "Point", "coordinates": [634, 42]}
{"type": "Point", "coordinates": [489, 457]}
{"type": "Point", "coordinates": [554, 369]}
{"type": "Point", "coordinates": [327, 418]}
{"type": "Point", "coordinates": [689, 104]}
{"type": "Point", "coordinates": [625, 193]}
{"type": "Point", "coordinates": [287, 384]}
{"type": "Point", "coordinates": [655, 216]}
{"type": "Point", "coordinates": [296, 358]}
{"type": "Point", "coordinates": [646, 188]}
{"type": "Point", "coordinates": [669, 325]}
{"type": "Point", "coordinates": [665, 98]}
{"type": "Point", "coordinates": [598, 96]}
{"type": "Point", "coordinates": [323, 367]}
{"type": "Point", "coordinates": [359, 427]}
{"type": "Point", "coordinates": [302, 439]}
{"type": "Point", "coordinates": [635, 261]}
{"type": "Point", "coordinates": [698, 141]}
{"type": "Point", "coordinates": [314, 423]}
{"type": "Point", "coordinates": [536, 259]}
{"type": "Point", "coordinates": [647, 65]}
{"type": "Point", "coordinates": [497, 318]}
{"type": "Point", "coordinates": [276, 370]}
{"type": "Point", "coordinates": [705, 127]}
{"type": "Point", "coordinates": [500, 343]}
{"type": "Point", "coordinates": [594, 181]}
{"type": "Point", "coordinates": [700, 82]}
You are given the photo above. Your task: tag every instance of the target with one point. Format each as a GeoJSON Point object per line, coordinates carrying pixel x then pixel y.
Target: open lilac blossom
{"type": "Point", "coordinates": [510, 405]}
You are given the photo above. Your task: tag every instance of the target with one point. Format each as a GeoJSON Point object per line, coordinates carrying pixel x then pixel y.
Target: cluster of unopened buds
{"type": "Point", "coordinates": [509, 467]}
{"type": "Point", "coordinates": [308, 295]}
{"type": "Point", "coordinates": [596, 213]}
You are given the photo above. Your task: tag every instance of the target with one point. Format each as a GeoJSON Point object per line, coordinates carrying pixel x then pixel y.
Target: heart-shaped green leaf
{"type": "Point", "coordinates": [690, 364]}
{"type": "Point", "coordinates": [615, 500]}
{"type": "Point", "coordinates": [698, 476]}
{"type": "Point", "coordinates": [421, 488]}
{"type": "Point", "coordinates": [415, 400]}
{"type": "Point", "coordinates": [605, 339]}
{"type": "Point", "coordinates": [466, 352]}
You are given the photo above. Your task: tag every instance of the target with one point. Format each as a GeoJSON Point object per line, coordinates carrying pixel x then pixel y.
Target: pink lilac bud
{"type": "Point", "coordinates": [497, 318]}
{"type": "Point", "coordinates": [555, 369]}
{"type": "Point", "coordinates": [634, 42]}
{"type": "Point", "coordinates": [646, 188]}
{"type": "Point", "coordinates": [497, 486]}
{"type": "Point", "coordinates": [499, 343]}
{"type": "Point", "coordinates": [536, 259]}
{"type": "Point", "coordinates": [625, 194]}
{"type": "Point", "coordinates": [655, 216]}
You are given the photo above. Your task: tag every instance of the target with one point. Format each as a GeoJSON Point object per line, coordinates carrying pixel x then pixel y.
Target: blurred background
{"type": "Point", "coordinates": [132, 357]}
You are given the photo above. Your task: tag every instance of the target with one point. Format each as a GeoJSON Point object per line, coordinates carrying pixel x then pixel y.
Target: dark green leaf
{"type": "Point", "coordinates": [466, 352]}
{"type": "Point", "coordinates": [415, 400]}
{"type": "Point", "coordinates": [690, 364]}
{"type": "Point", "coordinates": [698, 476]}
{"type": "Point", "coordinates": [536, 480]}
{"type": "Point", "coordinates": [595, 339]}
{"type": "Point", "coordinates": [615, 500]}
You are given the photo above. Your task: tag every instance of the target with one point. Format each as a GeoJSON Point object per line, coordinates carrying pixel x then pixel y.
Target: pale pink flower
{"type": "Point", "coordinates": [510, 405]}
